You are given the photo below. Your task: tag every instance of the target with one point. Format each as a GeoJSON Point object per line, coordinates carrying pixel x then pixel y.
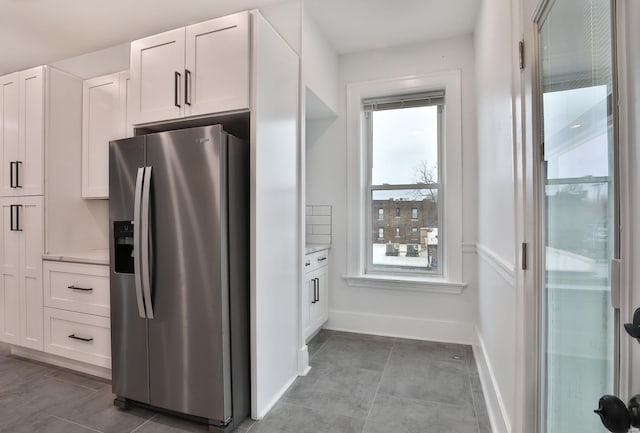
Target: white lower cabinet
{"type": "Point", "coordinates": [79, 336]}
{"type": "Point", "coordinates": [315, 292]}
{"type": "Point", "coordinates": [76, 313]}
{"type": "Point", "coordinates": [21, 246]}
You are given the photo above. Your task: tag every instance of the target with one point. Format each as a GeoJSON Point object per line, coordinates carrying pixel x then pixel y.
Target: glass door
{"type": "Point", "coordinates": [578, 351]}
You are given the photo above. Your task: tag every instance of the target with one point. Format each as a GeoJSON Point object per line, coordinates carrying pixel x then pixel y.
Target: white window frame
{"type": "Point", "coordinates": [450, 281]}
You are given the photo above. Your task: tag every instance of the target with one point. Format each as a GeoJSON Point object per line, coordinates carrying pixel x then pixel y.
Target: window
{"type": "Point", "coordinates": [380, 214]}
{"type": "Point", "coordinates": [414, 231]}
{"type": "Point", "coordinates": [445, 275]}
{"type": "Point", "coordinates": [381, 233]}
{"type": "Point", "coordinates": [403, 141]}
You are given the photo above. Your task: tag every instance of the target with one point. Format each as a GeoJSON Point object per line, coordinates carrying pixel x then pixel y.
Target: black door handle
{"type": "Point", "coordinates": [615, 416]}
{"type": "Point", "coordinates": [633, 329]}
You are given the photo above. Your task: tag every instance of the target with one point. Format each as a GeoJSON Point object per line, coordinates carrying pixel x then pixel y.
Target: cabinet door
{"type": "Point", "coordinates": [103, 120]}
{"type": "Point", "coordinates": [9, 130]}
{"type": "Point", "coordinates": [318, 308]}
{"type": "Point", "coordinates": [322, 305]}
{"type": "Point", "coordinates": [307, 298]}
{"type": "Point", "coordinates": [31, 289]}
{"type": "Point", "coordinates": [157, 77]}
{"type": "Point", "coordinates": [125, 101]}
{"type": "Point", "coordinates": [31, 148]}
{"type": "Point", "coordinates": [9, 275]}
{"type": "Point", "coordinates": [217, 65]}
{"type": "Point", "coordinates": [31, 167]}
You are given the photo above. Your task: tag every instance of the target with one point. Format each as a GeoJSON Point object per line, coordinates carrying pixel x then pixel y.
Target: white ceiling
{"type": "Point", "coordinates": [34, 32]}
{"type": "Point", "coordinates": [358, 25]}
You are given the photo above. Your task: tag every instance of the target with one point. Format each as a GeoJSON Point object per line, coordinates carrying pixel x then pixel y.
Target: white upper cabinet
{"type": "Point", "coordinates": [157, 69]}
{"type": "Point", "coordinates": [194, 70]}
{"type": "Point", "coordinates": [31, 163]}
{"type": "Point", "coordinates": [217, 65]}
{"type": "Point", "coordinates": [104, 105]}
{"type": "Point", "coordinates": [22, 132]}
{"type": "Point", "coordinates": [10, 131]}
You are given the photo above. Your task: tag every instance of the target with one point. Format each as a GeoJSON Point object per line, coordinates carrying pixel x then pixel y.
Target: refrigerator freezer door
{"type": "Point", "coordinates": [189, 349]}
{"type": "Point", "coordinates": [128, 330]}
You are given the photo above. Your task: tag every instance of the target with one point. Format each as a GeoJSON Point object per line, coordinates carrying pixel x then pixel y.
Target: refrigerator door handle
{"type": "Point", "coordinates": [137, 223]}
{"type": "Point", "coordinates": [144, 241]}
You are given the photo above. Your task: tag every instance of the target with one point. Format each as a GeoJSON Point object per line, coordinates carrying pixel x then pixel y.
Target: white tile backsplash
{"type": "Point", "coordinates": [318, 224]}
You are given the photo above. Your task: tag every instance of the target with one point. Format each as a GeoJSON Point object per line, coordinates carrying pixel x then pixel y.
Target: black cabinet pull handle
{"type": "Point", "coordinates": [18, 227]}
{"type": "Point", "coordinates": [314, 291]}
{"type": "Point", "coordinates": [17, 183]}
{"type": "Point", "coordinates": [176, 88]}
{"type": "Point", "coordinates": [317, 289]}
{"type": "Point", "coordinates": [11, 175]}
{"type": "Point", "coordinates": [11, 228]}
{"type": "Point", "coordinates": [307, 263]}
{"type": "Point", "coordinates": [187, 82]}
{"type": "Point", "coordinates": [322, 259]}
{"type": "Point", "coordinates": [75, 337]}
{"type": "Point", "coordinates": [82, 289]}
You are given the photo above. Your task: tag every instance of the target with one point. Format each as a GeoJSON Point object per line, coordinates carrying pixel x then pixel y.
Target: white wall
{"type": "Point", "coordinates": [94, 64]}
{"type": "Point", "coordinates": [285, 19]}
{"type": "Point", "coordinates": [496, 326]}
{"type": "Point", "coordinates": [432, 316]}
{"type": "Point", "coordinates": [319, 64]}
{"type": "Point", "coordinates": [72, 224]}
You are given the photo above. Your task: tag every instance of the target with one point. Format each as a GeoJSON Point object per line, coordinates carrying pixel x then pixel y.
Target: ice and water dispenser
{"type": "Point", "coordinates": [123, 233]}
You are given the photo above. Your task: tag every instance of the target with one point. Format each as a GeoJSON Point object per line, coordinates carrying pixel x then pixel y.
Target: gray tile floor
{"type": "Point", "coordinates": [358, 383]}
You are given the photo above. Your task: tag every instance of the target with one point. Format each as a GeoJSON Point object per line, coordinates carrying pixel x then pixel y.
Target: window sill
{"type": "Point", "coordinates": [411, 284]}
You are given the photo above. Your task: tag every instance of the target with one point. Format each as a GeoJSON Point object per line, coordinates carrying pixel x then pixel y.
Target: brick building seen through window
{"type": "Point", "coordinates": [402, 221]}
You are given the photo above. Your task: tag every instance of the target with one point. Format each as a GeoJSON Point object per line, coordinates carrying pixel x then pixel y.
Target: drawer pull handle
{"type": "Point", "coordinates": [75, 337]}
{"type": "Point", "coordinates": [82, 289]}
{"type": "Point", "coordinates": [322, 259]}
{"type": "Point", "coordinates": [307, 263]}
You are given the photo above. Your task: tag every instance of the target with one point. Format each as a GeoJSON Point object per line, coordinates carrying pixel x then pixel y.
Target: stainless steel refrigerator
{"type": "Point", "coordinates": [178, 213]}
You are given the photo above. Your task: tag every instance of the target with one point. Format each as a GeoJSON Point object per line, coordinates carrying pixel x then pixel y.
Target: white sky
{"type": "Point", "coordinates": [401, 140]}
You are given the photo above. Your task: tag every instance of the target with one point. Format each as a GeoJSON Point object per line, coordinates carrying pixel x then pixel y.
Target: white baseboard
{"type": "Point", "coordinates": [59, 361]}
{"type": "Point", "coordinates": [403, 327]}
{"type": "Point", "coordinates": [267, 408]}
{"type": "Point", "coordinates": [498, 415]}
{"type": "Point", "coordinates": [303, 361]}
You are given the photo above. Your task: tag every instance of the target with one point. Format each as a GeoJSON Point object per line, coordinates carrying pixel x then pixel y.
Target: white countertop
{"type": "Point", "coordinates": [314, 248]}
{"type": "Point", "coordinates": [91, 257]}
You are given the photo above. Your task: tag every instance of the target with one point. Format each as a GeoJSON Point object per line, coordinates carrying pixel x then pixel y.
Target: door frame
{"type": "Point", "coordinates": [527, 154]}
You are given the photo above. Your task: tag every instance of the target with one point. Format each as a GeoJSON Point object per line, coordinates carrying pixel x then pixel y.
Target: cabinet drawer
{"type": "Point", "coordinates": [316, 260]}
{"type": "Point", "coordinates": [82, 337]}
{"type": "Point", "coordinates": [77, 287]}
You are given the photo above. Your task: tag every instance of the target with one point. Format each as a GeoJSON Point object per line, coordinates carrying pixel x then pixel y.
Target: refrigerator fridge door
{"type": "Point", "coordinates": [189, 348]}
{"type": "Point", "coordinates": [128, 329]}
